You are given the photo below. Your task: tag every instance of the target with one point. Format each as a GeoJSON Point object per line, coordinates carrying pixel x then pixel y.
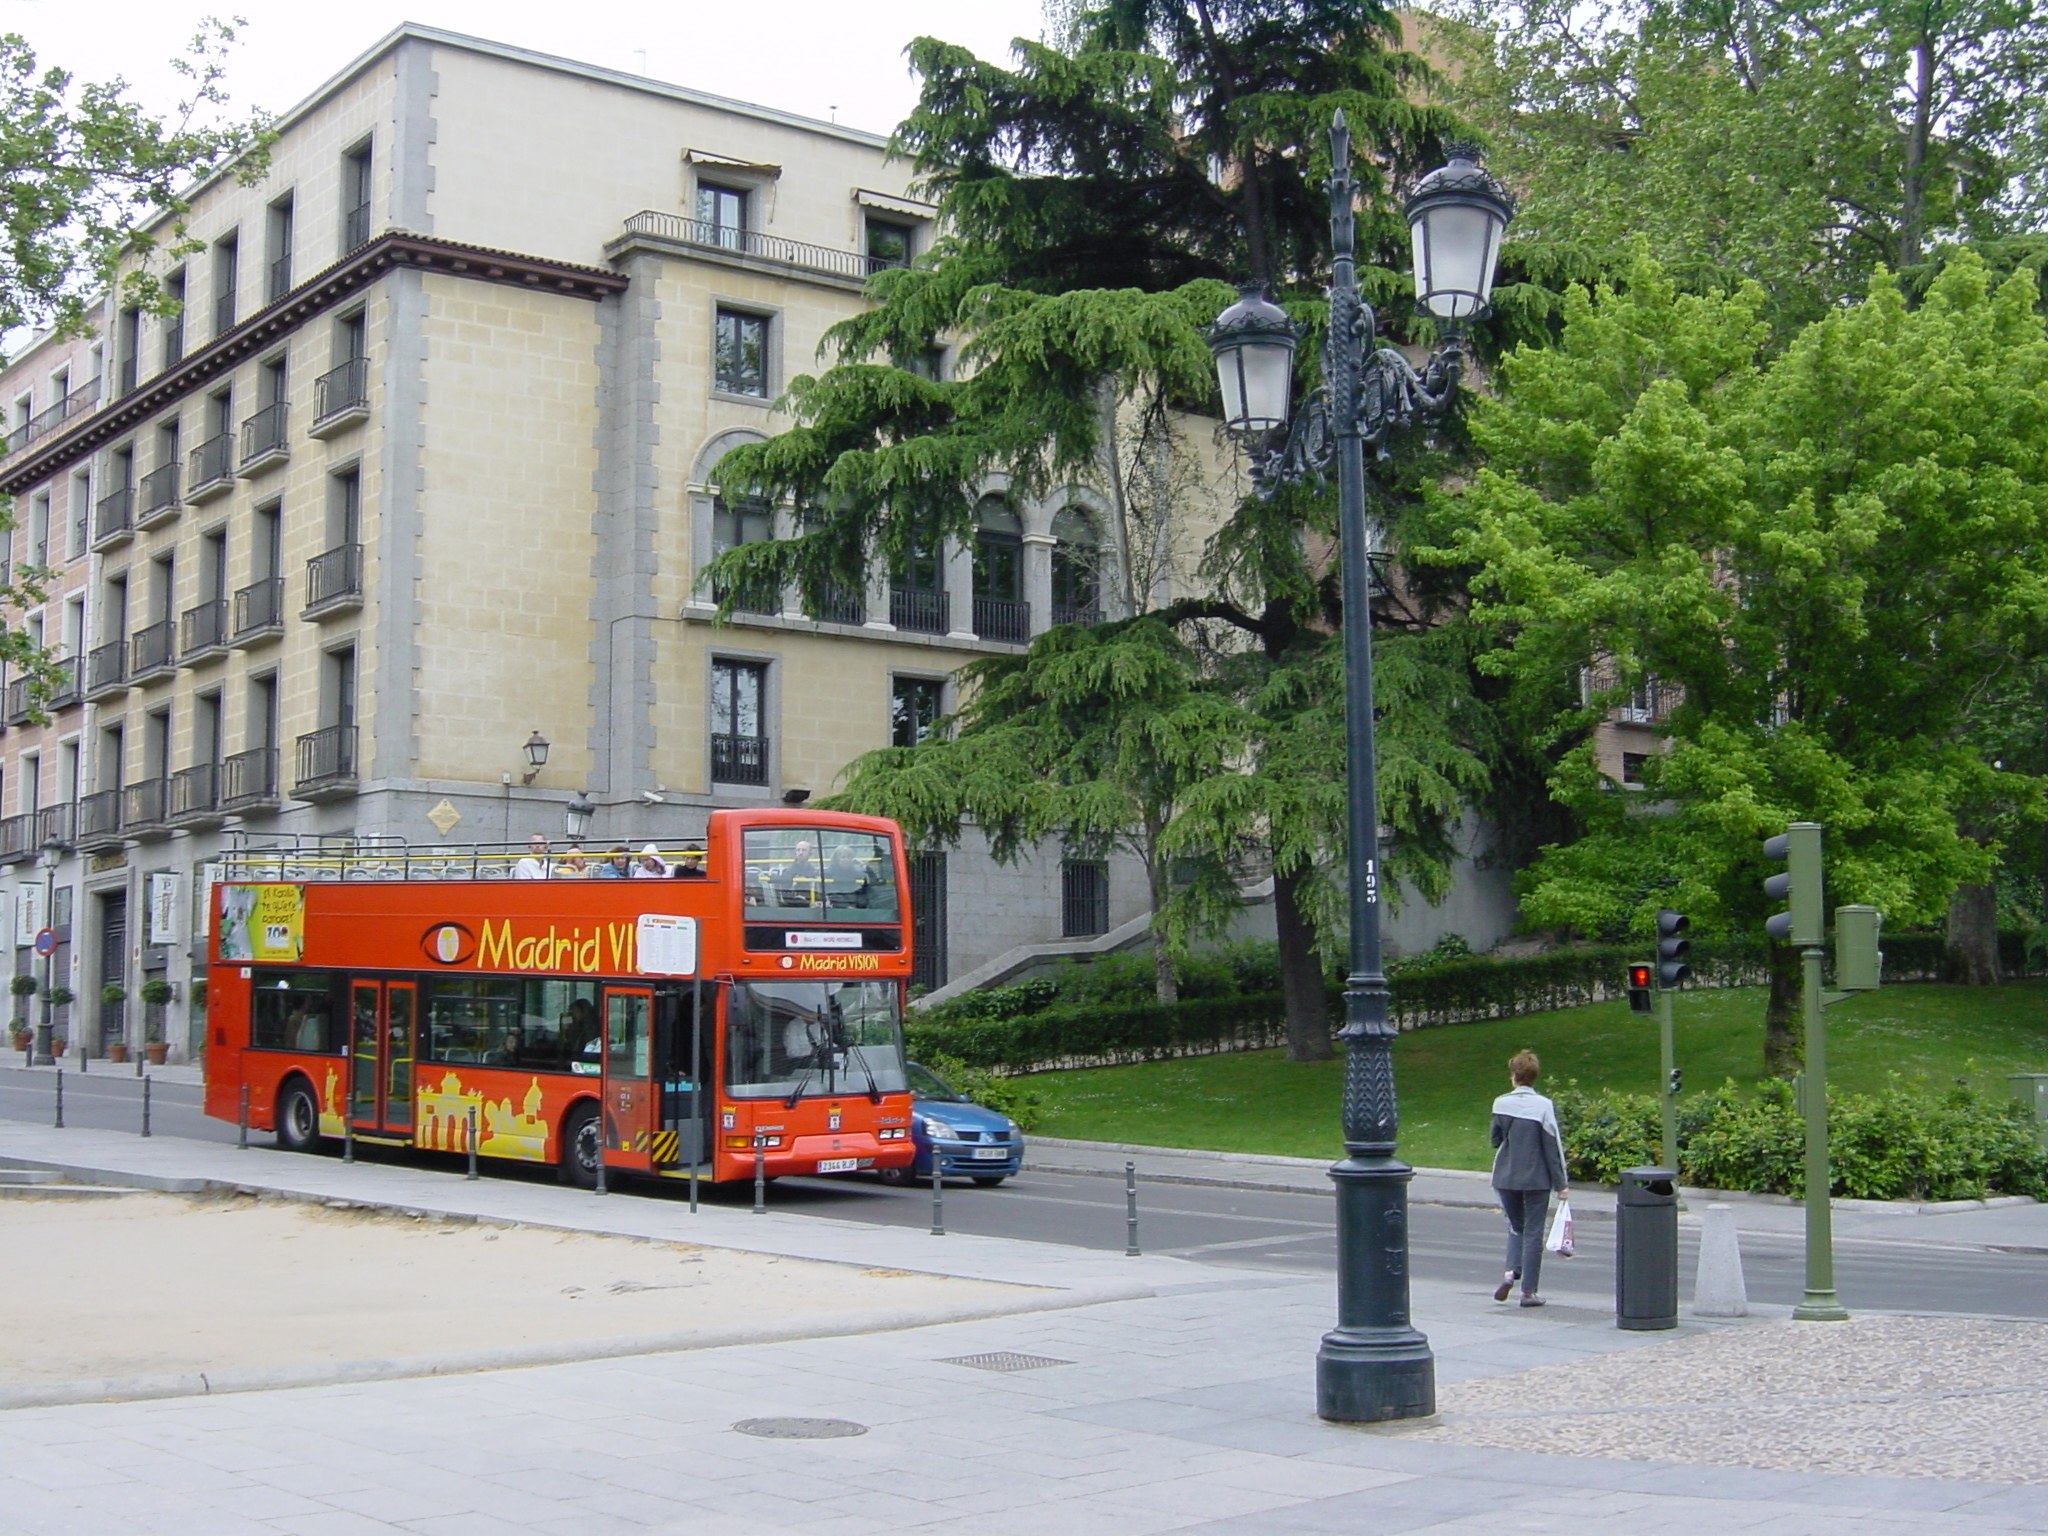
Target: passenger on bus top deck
{"type": "Point", "coordinates": [572, 864]}
{"type": "Point", "coordinates": [535, 865]}
{"type": "Point", "coordinates": [650, 865]}
{"type": "Point", "coordinates": [690, 864]}
{"type": "Point", "coordinates": [798, 879]}
{"type": "Point", "coordinates": [846, 879]}
{"type": "Point", "coordinates": [618, 864]}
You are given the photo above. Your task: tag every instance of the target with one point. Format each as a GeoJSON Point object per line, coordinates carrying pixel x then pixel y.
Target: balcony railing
{"type": "Point", "coordinates": [280, 279]}
{"type": "Point", "coordinates": [195, 792]}
{"type": "Point", "coordinates": [106, 667]}
{"type": "Point", "coordinates": [99, 816]}
{"type": "Point", "coordinates": [114, 517]}
{"type": "Point", "coordinates": [224, 314]}
{"type": "Point", "coordinates": [264, 436]}
{"type": "Point", "coordinates": [835, 604]}
{"type": "Point", "coordinates": [1069, 613]}
{"type": "Point", "coordinates": [47, 420]}
{"type": "Point", "coordinates": [146, 805]}
{"type": "Point", "coordinates": [64, 690]}
{"type": "Point", "coordinates": [14, 838]}
{"type": "Point", "coordinates": [18, 702]}
{"type": "Point", "coordinates": [335, 579]}
{"type": "Point", "coordinates": [159, 494]}
{"type": "Point", "coordinates": [356, 227]}
{"type": "Point", "coordinates": [213, 465]}
{"type": "Point", "coordinates": [327, 761]}
{"type": "Point", "coordinates": [259, 610]}
{"type": "Point", "coordinates": [150, 650]}
{"type": "Point", "coordinates": [174, 337]}
{"type": "Point", "coordinates": [203, 630]}
{"type": "Point", "coordinates": [1002, 618]}
{"type": "Point", "coordinates": [250, 779]}
{"type": "Point", "coordinates": [55, 824]}
{"type": "Point", "coordinates": [341, 393]}
{"type": "Point", "coordinates": [750, 242]}
{"type": "Point", "coordinates": [919, 611]}
{"type": "Point", "coordinates": [739, 759]}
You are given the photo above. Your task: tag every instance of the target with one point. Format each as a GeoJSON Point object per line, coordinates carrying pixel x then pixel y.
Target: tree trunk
{"type": "Point", "coordinates": [1784, 1044]}
{"type": "Point", "coordinates": [1301, 974]}
{"type": "Point", "coordinates": [1165, 977]}
{"type": "Point", "coordinates": [1919, 136]}
{"type": "Point", "coordinates": [1972, 956]}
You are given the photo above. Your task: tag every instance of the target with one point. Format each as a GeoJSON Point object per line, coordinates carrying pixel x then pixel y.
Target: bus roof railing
{"type": "Point", "coordinates": [375, 858]}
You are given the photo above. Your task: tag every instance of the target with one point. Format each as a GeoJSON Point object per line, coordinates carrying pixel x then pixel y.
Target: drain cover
{"type": "Point", "coordinates": [800, 1429]}
{"type": "Point", "coordinates": [1004, 1360]}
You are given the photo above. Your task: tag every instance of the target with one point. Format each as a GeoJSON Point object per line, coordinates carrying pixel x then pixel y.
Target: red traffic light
{"type": "Point", "coordinates": [1639, 976]}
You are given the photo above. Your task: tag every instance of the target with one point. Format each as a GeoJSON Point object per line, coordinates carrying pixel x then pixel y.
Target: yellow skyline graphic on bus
{"type": "Point", "coordinates": [443, 1121]}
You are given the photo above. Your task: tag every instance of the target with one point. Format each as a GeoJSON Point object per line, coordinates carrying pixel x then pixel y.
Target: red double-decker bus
{"type": "Point", "coordinates": [747, 1002]}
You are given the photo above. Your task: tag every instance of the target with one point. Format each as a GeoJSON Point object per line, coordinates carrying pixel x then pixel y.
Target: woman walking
{"type": "Point", "coordinates": [1527, 1165]}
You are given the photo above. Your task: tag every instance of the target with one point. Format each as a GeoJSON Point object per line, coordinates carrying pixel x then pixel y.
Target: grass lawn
{"type": "Point", "coordinates": [1259, 1102]}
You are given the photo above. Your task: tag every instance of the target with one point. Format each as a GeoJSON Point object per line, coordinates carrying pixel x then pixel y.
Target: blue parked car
{"type": "Point", "coordinates": [969, 1141]}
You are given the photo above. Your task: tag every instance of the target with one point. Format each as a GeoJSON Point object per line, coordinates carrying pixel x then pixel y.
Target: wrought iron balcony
{"type": "Point", "coordinates": [280, 282]}
{"type": "Point", "coordinates": [195, 795]}
{"type": "Point", "coordinates": [341, 397]}
{"type": "Point", "coordinates": [145, 808]}
{"type": "Point", "coordinates": [264, 438]}
{"type": "Point", "coordinates": [707, 235]}
{"type": "Point", "coordinates": [213, 467]}
{"type": "Point", "coordinates": [15, 844]}
{"type": "Point", "coordinates": [51, 417]}
{"type": "Point", "coordinates": [224, 313]}
{"type": "Point", "coordinates": [114, 519]}
{"type": "Point", "coordinates": [203, 632]}
{"type": "Point", "coordinates": [55, 824]}
{"type": "Point", "coordinates": [149, 652]}
{"type": "Point", "coordinates": [836, 604]}
{"type": "Point", "coordinates": [18, 702]}
{"type": "Point", "coordinates": [1002, 618]}
{"type": "Point", "coordinates": [1068, 613]}
{"type": "Point", "coordinates": [739, 759]}
{"type": "Point", "coordinates": [99, 818]}
{"type": "Point", "coordinates": [259, 612]}
{"type": "Point", "coordinates": [106, 669]}
{"type": "Point", "coordinates": [334, 581]}
{"type": "Point", "coordinates": [64, 689]}
{"type": "Point", "coordinates": [356, 227]}
{"type": "Point", "coordinates": [918, 611]}
{"type": "Point", "coordinates": [250, 780]}
{"type": "Point", "coordinates": [327, 764]}
{"type": "Point", "coordinates": [159, 498]}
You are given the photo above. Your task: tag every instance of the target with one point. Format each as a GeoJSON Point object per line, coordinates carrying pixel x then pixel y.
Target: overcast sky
{"type": "Point", "coordinates": [821, 58]}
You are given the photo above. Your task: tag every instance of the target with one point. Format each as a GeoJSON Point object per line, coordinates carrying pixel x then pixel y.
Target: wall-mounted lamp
{"type": "Point", "coordinates": [795, 796]}
{"type": "Point", "coordinates": [576, 816]}
{"type": "Point", "coordinates": [536, 756]}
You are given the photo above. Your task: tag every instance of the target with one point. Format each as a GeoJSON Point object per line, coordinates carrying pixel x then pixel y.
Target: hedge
{"type": "Point", "coordinates": [1030, 1032]}
{"type": "Point", "coordinates": [1900, 1144]}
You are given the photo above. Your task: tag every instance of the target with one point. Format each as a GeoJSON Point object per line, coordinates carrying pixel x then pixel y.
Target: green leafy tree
{"type": "Point", "coordinates": [1829, 555]}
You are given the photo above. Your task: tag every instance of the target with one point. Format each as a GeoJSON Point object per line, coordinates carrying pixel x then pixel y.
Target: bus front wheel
{"type": "Point", "coordinates": [582, 1146]}
{"type": "Point", "coordinates": [298, 1117]}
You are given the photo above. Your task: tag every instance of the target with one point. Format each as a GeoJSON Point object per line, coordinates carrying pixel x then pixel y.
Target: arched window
{"type": "Point", "coordinates": [1000, 612]}
{"type": "Point", "coordinates": [1076, 569]}
{"type": "Point", "coordinates": [744, 520]}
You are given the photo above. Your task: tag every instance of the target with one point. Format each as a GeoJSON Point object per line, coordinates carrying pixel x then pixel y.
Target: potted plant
{"type": "Point", "coordinates": [113, 995]}
{"type": "Point", "coordinates": [156, 992]}
{"type": "Point", "coordinates": [22, 986]}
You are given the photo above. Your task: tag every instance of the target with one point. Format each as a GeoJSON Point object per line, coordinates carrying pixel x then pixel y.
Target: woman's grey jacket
{"type": "Point", "coordinates": [1531, 1150]}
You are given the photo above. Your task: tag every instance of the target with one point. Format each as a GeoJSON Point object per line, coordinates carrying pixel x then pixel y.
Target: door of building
{"type": "Point", "coordinates": [113, 965]}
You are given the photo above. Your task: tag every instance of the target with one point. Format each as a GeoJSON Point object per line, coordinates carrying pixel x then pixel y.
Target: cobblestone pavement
{"type": "Point", "coordinates": [1883, 1396]}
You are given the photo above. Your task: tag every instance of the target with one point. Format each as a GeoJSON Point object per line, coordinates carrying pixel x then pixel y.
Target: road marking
{"type": "Point", "coordinates": [1251, 1242]}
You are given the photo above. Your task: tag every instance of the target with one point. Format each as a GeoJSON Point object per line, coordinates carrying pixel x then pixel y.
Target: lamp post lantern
{"type": "Point", "coordinates": [1374, 1365]}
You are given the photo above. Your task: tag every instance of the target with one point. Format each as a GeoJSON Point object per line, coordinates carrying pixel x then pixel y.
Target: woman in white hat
{"type": "Point", "coordinates": [649, 865]}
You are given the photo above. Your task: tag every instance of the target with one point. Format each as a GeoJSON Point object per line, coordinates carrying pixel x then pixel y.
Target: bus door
{"type": "Point", "coordinates": [681, 1052]}
{"type": "Point", "coordinates": [631, 1101]}
{"type": "Point", "coordinates": [381, 1055]}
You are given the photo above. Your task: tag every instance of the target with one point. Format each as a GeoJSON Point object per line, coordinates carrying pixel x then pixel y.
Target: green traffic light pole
{"type": "Point", "coordinates": [1668, 1059]}
{"type": "Point", "coordinates": [1820, 1304]}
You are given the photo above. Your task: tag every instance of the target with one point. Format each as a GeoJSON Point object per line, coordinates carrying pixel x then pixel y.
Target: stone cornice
{"type": "Point", "coordinates": [357, 270]}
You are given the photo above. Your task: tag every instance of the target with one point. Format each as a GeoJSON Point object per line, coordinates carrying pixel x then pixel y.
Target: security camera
{"type": "Point", "coordinates": [652, 797]}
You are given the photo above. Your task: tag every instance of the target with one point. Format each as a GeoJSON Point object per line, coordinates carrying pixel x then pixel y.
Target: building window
{"type": "Point", "coordinates": [744, 521]}
{"type": "Point", "coordinates": [927, 921]}
{"type": "Point", "coordinates": [128, 353]}
{"type": "Point", "coordinates": [742, 366]}
{"type": "Point", "coordinates": [739, 741]}
{"type": "Point", "coordinates": [1084, 898]}
{"type": "Point", "coordinates": [722, 211]}
{"type": "Point", "coordinates": [1000, 612]}
{"type": "Point", "coordinates": [174, 322]}
{"type": "Point", "coordinates": [890, 244]}
{"type": "Point", "coordinates": [1076, 569]}
{"type": "Point", "coordinates": [914, 704]}
{"type": "Point", "coordinates": [1632, 765]}
{"type": "Point", "coordinates": [278, 281]}
{"type": "Point", "coordinates": [917, 592]}
{"type": "Point", "coordinates": [355, 198]}
{"type": "Point", "coordinates": [227, 281]}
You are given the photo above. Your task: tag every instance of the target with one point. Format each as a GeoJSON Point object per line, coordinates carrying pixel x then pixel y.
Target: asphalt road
{"type": "Point", "coordinates": [1245, 1229]}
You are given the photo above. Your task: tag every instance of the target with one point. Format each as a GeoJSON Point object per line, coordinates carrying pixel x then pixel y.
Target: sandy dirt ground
{"type": "Point", "coordinates": [149, 1284]}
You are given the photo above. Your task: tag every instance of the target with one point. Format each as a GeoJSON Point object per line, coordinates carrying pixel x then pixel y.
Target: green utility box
{"type": "Point", "coordinates": [2031, 1089]}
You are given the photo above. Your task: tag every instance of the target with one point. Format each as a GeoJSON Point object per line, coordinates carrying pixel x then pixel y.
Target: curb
{"type": "Point", "coordinates": [128, 1389]}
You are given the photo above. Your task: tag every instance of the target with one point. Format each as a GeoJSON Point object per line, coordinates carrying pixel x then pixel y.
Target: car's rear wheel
{"type": "Point", "coordinates": [298, 1117]}
{"type": "Point", "coordinates": [582, 1147]}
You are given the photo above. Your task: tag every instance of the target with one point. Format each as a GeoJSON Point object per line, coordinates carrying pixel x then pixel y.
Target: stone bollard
{"type": "Point", "coordinates": [1718, 1291]}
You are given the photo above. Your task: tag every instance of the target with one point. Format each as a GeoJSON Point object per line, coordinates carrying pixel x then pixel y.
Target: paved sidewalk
{"type": "Point", "coordinates": [1187, 1407]}
{"type": "Point", "coordinates": [2013, 1223]}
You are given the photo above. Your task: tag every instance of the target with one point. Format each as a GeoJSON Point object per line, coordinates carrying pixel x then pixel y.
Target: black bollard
{"type": "Point", "coordinates": [602, 1187]}
{"type": "Point", "coordinates": [693, 1184]}
{"type": "Point", "coordinates": [938, 1197]}
{"type": "Point", "coordinates": [472, 1143]}
{"type": "Point", "coordinates": [242, 1141]}
{"type": "Point", "coordinates": [60, 1097]}
{"type": "Point", "coordinates": [145, 1103]}
{"type": "Point", "coordinates": [760, 1178]}
{"type": "Point", "coordinates": [1131, 1210]}
{"type": "Point", "coordinates": [348, 1137]}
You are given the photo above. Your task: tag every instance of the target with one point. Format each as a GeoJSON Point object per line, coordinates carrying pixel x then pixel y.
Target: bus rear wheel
{"type": "Point", "coordinates": [582, 1146]}
{"type": "Point", "coordinates": [298, 1117]}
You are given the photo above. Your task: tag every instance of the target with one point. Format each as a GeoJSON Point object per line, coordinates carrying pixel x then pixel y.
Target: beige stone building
{"type": "Point", "coordinates": [423, 469]}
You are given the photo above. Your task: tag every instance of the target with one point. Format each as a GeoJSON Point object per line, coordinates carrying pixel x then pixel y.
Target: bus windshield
{"type": "Point", "coordinates": [819, 874]}
{"type": "Point", "coordinates": [800, 1039]}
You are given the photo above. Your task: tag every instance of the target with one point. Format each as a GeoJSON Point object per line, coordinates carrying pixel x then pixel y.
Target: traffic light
{"type": "Point", "coordinates": [1799, 846]}
{"type": "Point", "coordinates": [1676, 1083]}
{"type": "Point", "coordinates": [1859, 963]}
{"type": "Point", "coordinates": [1639, 988]}
{"type": "Point", "coordinates": [1672, 947]}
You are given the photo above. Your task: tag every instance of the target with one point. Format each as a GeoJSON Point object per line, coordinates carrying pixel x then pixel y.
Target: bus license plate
{"type": "Point", "coordinates": [838, 1164]}
{"type": "Point", "coordinates": [992, 1154]}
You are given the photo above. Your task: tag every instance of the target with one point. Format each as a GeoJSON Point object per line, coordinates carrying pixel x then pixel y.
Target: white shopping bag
{"type": "Point", "coordinates": [1559, 1241]}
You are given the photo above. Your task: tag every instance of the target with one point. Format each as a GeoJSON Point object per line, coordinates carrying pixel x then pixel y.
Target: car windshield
{"type": "Point", "coordinates": [813, 874]}
{"type": "Point", "coordinates": [792, 1039]}
{"type": "Point", "coordinates": [927, 1084]}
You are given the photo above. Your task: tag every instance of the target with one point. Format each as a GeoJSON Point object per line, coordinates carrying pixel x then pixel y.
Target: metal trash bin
{"type": "Point", "coordinates": [1646, 1250]}
{"type": "Point", "coordinates": [2031, 1089]}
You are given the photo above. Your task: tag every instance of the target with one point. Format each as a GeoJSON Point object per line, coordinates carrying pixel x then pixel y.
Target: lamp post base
{"type": "Point", "coordinates": [1373, 1366]}
{"type": "Point", "coordinates": [41, 1055]}
{"type": "Point", "coordinates": [1820, 1307]}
